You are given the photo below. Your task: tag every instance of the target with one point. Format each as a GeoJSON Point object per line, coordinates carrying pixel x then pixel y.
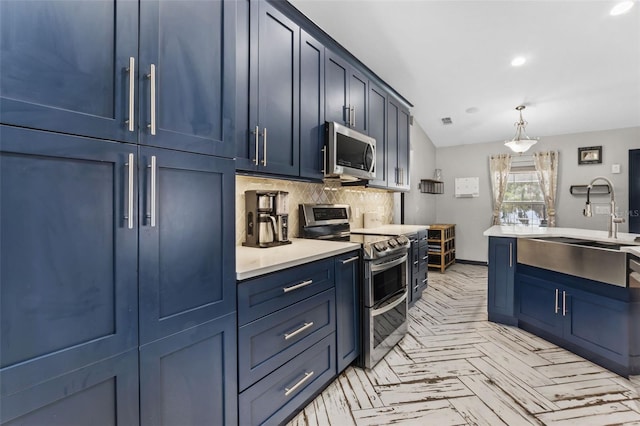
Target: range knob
{"type": "Point", "coordinates": [380, 246]}
{"type": "Point", "coordinates": [393, 243]}
{"type": "Point", "coordinates": [402, 240]}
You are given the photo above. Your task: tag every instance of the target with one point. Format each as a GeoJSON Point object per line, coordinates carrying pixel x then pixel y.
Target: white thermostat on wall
{"type": "Point", "coordinates": [467, 187]}
{"type": "Point", "coordinates": [615, 168]}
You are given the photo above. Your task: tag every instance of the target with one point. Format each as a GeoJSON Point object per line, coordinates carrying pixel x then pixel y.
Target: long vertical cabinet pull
{"type": "Point", "coordinates": [154, 190]}
{"type": "Point", "coordinates": [257, 136]}
{"type": "Point", "coordinates": [264, 147]}
{"type": "Point", "coordinates": [564, 303]}
{"type": "Point", "coordinates": [556, 302]}
{"type": "Point", "coordinates": [324, 160]}
{"type": "Point", "coordinates": [353, 122]}
{"type": "Point", "coordinates": [152, 82]}
{"type": "Point", "coordinates": [129, 210]}
{"type": "Point", "coordinates": [132, 87]}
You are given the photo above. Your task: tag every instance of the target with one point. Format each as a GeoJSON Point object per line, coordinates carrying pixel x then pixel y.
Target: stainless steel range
{"type": "Point", "coordinates": [384, 277]}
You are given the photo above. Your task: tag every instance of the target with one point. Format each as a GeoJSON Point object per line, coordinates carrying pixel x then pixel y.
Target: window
{"type": "Point", "coordinates": [523, 202]}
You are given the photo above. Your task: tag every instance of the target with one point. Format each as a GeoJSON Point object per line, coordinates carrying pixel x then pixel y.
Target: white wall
{"type": "Point", "coordinates": [473, 215]}
{"type": "Point", "coordinates": [420, 209]}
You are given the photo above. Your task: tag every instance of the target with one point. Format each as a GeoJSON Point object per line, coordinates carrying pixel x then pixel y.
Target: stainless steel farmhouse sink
{"type": "Point", "coordinates": [594, 260]}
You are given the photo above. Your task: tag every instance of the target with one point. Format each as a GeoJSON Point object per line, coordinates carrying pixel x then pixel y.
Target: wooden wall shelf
{"type": "Point", "coordinates": [430, 186]}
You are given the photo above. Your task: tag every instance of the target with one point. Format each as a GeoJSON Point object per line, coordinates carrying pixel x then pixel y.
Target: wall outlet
{"type": "Point", "coordinates": [615, 168]}
{"type": "Point", "coordinates": [602, 209]}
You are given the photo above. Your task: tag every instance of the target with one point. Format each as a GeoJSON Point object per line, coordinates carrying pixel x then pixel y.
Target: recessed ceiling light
{"type": "Point", "coordinates": [471, 110]}
{"type": "Point", "coordinates": [517, 61]}
{"type": "Point", "coordinates": [620, 8]}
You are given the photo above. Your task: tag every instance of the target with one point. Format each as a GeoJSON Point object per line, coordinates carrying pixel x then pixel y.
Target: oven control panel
{"type": "Point", "coordinates": [386, 246]}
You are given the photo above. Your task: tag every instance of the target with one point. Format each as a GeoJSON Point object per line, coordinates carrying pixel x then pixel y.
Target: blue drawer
{"type": "Point", "coordinates": [261, 296]}
{"type": "Point", "coordinates": [271, 341]}
{"type": "Point", "coordinates": [274, 398]}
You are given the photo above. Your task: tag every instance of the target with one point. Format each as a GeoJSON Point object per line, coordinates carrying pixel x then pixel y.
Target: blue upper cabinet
{"type": "Point", "coordinates": [270, 141]}
{"type": "Point", "coordinates": [64, 66]}
{"type": "Point", "coordinates": [378, 131]}
{"type": "Point", "coordinates": [82, 69]}
{"type": "Point", "coordinates": [346, 92]}
{"type": "Point", "coordinates": [634, 191]}
{"type": "Point", "coordinates": [311, 107]}
{"type": "Point", "coordinates": [186, 74]}
{"type": "Point", "coordinates": [187, 261]}
{"type": "Point", "coordinates": [398, 146]}
{"type": "Point", "coordinates": [68, 249]}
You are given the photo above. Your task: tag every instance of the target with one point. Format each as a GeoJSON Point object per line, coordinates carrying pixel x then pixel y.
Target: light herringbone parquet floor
{"type": "Point", "coordinates": [456, 368]}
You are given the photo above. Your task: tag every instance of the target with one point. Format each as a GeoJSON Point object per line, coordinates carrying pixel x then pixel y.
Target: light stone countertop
{"type": "Point", "coordinates": [391, 229]}
{"type": "Point", "coordinates": [584, 234]}
{"type": "Point", "coordinates": [252, 262]}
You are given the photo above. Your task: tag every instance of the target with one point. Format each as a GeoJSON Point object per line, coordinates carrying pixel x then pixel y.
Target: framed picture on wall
{"type": "Point", "coordinates": [590, 155]}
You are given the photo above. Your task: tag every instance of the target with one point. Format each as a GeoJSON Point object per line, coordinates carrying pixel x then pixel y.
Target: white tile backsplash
{"type": "Point", "coordinates": [362, 200]}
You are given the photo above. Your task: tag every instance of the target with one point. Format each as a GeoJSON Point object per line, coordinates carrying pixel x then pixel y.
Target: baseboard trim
{"type": "Point", "coordinates": [471, 262]}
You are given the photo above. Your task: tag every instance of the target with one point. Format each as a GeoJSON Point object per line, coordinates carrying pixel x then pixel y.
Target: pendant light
{"type": "Point", "coordinates": [519, 143]}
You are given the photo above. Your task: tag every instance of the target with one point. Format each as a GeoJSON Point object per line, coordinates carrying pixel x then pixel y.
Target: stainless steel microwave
{"type": "Point", "coordinates": [350, 155]}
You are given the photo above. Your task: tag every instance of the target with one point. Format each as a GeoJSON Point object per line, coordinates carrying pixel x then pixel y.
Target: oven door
{"type": "Point", "coordinates": [385, 326]}
{"type": "Point", "coordinates": [385, 278]}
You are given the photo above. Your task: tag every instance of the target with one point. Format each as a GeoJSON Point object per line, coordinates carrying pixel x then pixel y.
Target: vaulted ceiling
{"type": "Point", "coordinates": [452, 58]}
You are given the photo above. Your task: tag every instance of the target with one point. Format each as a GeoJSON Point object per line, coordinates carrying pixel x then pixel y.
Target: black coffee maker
{"type": "Point", "coordinates": [267, 218]}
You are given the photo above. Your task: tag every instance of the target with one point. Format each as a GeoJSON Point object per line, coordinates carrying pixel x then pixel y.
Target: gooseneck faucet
{"type": "Point", "coordinates": [614, 220]}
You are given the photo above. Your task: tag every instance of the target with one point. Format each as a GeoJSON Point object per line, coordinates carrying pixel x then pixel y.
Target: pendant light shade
{"type": "Point", "coordinates": [521, 142]}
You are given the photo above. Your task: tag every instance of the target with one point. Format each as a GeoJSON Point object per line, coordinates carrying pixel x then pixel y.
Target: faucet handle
{"type": "Point", "coordinates": [618, 220]}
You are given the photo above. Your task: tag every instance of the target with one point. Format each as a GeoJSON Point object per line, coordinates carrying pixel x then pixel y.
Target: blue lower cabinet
{"type": "Point", "coordinates": [594, 320]}
{"type": "Point", "coordinates": [540, 304]}
{"type": "Point", "coordinates": [501, 281]}
{"type": "Point", "coordinates": [348, 315]}
{"type": "Point", "coordinates": [598, 324]}
{"type": "Point", "coordinates": [189, 378]}
{"type": "Point", "coordinates": [276, 397]}
{"type": "Point", "coordinates": [104, 393]}
{"type": "Point", "coordinates": [267, 343]}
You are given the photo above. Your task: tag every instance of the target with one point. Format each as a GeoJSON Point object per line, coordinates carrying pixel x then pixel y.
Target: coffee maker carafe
{"type": "Point", "coordinates": [267, 218]}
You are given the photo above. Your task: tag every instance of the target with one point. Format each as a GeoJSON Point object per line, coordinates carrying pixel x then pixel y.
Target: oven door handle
{"type": "Point", "coordinates": [376, 312]}
{"type": "Point", "coordinates": [377, 267]}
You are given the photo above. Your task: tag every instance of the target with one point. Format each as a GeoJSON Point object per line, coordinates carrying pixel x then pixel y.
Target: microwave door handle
{"type": "Point", "coordinates": [373, 156]}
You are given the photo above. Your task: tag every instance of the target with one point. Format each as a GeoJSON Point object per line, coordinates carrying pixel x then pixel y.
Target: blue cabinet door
{"type": "Point", "coordinates": [358, 94]}
{"type": "Point", "coordinates": [64, 66]}
{"type": "Point", "coordinates": [312, 107]}
{"type": "Point", "coordinates": [336, 104]}
{"type": "Point", "coordinates": [187, 261]}
{"type": "Point", "coordinates": [634, 191]}
{"type": "Point", "coordinates": [347, 308]}
{"type": "Point", "coordinates": [393, 117]}
{"type": "Point", "coordinates": [597, 323]}
{"type": "Point", "coordinates": [501, 282]}
{"type": "Point", "coordinates": [104, 393]}
{"type": "Point", "coordinates": [68, 280]}
{"type": "Point", "coordinates": [270, 141]}
{"type": "Point", "coordinates": [186, 79]}
{"type": "Point", "coordinates": [540, 304]}
{"type": "Point", "coordinates": [404, 148]}
{"type": "Point", "coordinates": [190, 378]}
{"type": "Point", "coordinates": [378, 130]}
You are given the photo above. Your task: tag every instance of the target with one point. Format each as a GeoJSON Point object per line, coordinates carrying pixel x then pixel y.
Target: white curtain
{"type": "Point", "coordinates": [499, 167]}
{"type": "Point", "coordinates": [547, 170]}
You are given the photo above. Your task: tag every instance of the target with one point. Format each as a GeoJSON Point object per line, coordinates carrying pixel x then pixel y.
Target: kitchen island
{"type": "Point", "coordinates": [574, 287]}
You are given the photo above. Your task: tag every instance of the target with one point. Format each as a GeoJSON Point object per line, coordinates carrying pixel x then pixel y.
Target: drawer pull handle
{"type": "Point", "coordinates": [306, 326]}
{"type": "Point", "coordinates": [425, 258]}
{"type": "Point", "coordinates": [556, 307]}
{"type": "Point", "coordinates": [351, 259]}
{"type": "Point", "coordinates": [297, 286]}
{"type": "Point", "coordinates": [425, 280]}
{"type": "Point", "coordinates": [416, 262]}
{"type": "Point", "coordinates": [307, 376]}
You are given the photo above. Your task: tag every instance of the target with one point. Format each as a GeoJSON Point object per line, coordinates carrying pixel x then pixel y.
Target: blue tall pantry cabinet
{"type": "Point", "coordinates": [117, 262]}
{"type": "Point", "coordinates": [634, 191]}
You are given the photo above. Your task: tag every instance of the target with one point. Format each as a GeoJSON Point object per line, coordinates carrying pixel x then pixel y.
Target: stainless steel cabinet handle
{"type": "Point", "coordinates": [416, 262]}
{"type": "Point", "coordinates": [129, 212]}
{"type": "Point", "coordinates": [511, 255]}
{"type": "Point", "coordinates": [564, 303]}
{"type": "Point", "coordinates": [353, 124]}
{"type": "Point", "coordinates": [324, 160]}
{"type": "Point", "coordinates": [257, 136]}
{"type": "Point", "coordinates": [152, 82]}
{"type": "Point", "coordinates": [132, 89]}
{"type": "Point", "coordinates": [154, 187]}
{"type": "Point", "coordinates": [556, 308]}
{"type": "Point", "coordinates": [306, 326]}
{"type": "Point", "coordinates": [306, 377]}
{"type": "Point", "coordinates": [425, 280]}
{"type": "Point", "coordinates": [297, 286]}
{"type": "Point", "coordinates": [351, 259]}
{"type": "Point", "coordinates": [401, 176]}
{"type": "Point", "coordinates": [264, 147]}
{"type": "Point", "coordinates": [426, 257]}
